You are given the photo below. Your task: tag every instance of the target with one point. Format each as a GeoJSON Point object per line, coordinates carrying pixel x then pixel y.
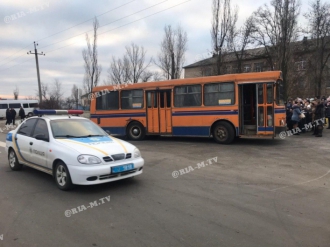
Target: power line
{"type": "Point", "coordinates": [61, 32]}
{"type": "Point", "coordinates": [85, 21]}
{"type": "Point", "coordinates": [14, 54]}
{"type": "Point", "coordinates": [124, 25]}
{"type": "Point", "coordinates": [104, 25]}
{"type": "Point", "coordinates": [16, 64]}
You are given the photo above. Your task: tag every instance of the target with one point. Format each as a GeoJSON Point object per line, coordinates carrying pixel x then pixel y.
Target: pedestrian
{"type": "Point", "coordinates": [8, 117]}
{"type": "Point", "coordinates": [289, 114]}
{"type": "Point", "coordinates": [295, 115]}
{"type": "Point", "coordinates": [327, 112]}
{"type": "Point", "coordinates": [13, 115]}
{"type": "Point", "coordinates": [319, 114]}
{"type": "Point", "coordinates": [21, 113]}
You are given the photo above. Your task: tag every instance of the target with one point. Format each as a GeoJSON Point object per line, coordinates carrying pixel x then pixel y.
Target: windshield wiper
{"type": "Point", "coordinates": [66, 136]}
{"type": "Point", "coordinates": [88, 136]}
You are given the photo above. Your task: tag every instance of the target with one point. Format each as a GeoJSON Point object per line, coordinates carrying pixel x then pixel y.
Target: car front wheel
{"type": "Point", "coordinates": [62, 177]}
{"type": "Point", "coordinates": [13, 161]}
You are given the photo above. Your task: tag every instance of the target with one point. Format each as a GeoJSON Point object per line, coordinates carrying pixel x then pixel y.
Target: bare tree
{"type": "Point", "coordinates": [75, 94]}
{"type": "Point", "coordinates": [146, 76]}
{"type": "Point", "coordinates": [16, 93]}
{"type": "Point", "coordinates": [276, 29]}
{"type": "Point", "coordinates": [224, 18]}
{"type": "Point", "coordinates": [51, 97]}
{"type": "Point", "coordinates": [90, 56]}
{"type": "Point", "coordinates": [130, 68]}
{"type": "Point", "coordinates": [318, 19]}
{"type": "Point", "coordinates": [172, 55]}
{"type": "Point", "coordinates": [239, 40]}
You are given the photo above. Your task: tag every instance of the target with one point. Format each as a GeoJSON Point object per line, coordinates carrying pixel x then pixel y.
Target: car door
{"type": "Point", "coordinates": [40, 147]}
{"type": "Point", "coordinates": [23, 139]}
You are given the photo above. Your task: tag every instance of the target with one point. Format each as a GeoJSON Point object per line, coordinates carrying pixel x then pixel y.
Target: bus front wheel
{"type": "Point", "coordinates": [136, 131]}
{"type": "Point", "coordinates": [223, 133]}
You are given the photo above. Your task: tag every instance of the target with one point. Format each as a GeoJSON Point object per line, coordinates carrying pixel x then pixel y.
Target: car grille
{"type": "Point", "coordinates": [115, 157]}
{"type": "Point", "coordinates": [106, 176]}
{"type": "Point", "coordinates": [107, 159]}
{"type": "Point", "coordinates": [118, 156]}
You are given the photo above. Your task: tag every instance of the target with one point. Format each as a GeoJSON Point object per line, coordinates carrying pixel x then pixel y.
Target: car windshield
{"type": "Point", "coordinates": [75, 128]}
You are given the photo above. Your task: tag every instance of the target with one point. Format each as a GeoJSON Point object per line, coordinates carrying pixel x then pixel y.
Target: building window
{"type": "Point", "coordinates": [246, 68]}
{"type": "Point", "coordinates": [219, 94]}
{"type": "Point", "coordinates": [188, 96]}
{"type": "Point", "coordinates": [258, 67]}
{"type": "Point", "coordinates": [301, 65]}
{"type": "Point", "coordinates": [132, 99]}
{"type": "Point", "coordinates": [108, 101]}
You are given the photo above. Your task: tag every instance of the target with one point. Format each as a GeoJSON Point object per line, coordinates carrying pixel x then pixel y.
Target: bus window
{"type": "Point", "coordinates": [219, 94]}
{"type": "Point", "coordinates": [3, 106]}
{"type": "Point", "coordinates": [188, 96]}
{"type": "Point", "coordinates": [15, 105]}
{"type": "Point", "coordinates": [26, 105]}
{"type": "Point", "coordinates": [168, 99]}
{"type": "Point", "coordinates": [132, 99]}
{"type": "Point", "coordinates": [269, 93]}
{"type": "Point", "coordinates": [162, 103]}
{"type": "Point", "coordinates": [260, 94]}
{"type": "Point", "coordinates": [109, 101]}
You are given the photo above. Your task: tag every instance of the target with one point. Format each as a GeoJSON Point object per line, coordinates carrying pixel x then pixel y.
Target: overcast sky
{"type": "Point", "coordinates": [23, 22]}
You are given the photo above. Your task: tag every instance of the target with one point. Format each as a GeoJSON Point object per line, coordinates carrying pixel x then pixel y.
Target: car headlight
{"type": "Point", "coordinates": [137, 153]}
{"type": "Point", "coordinates": [88, 159]}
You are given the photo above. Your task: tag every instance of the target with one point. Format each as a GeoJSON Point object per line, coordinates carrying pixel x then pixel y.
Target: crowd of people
{"type": "Point", "coordinates": [11, 115]}
{"type": "Point", "coordinates": [309, 110]}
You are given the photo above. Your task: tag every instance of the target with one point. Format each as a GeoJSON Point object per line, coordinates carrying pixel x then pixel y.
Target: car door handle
{"type": "Point", "coordinates": [31, 143]}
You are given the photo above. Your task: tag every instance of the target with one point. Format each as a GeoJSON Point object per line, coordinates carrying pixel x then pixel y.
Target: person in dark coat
{"type": "Point", "coordinates": [8, 117]}
{"type": "Point", "coordinates": [319, 114]}
{"type": "Point", "coordinates": [13, 115]}
{"type": "Point", "coordinates": [327, 112]}
{"type": "Point", "coordinates": [21, 113]}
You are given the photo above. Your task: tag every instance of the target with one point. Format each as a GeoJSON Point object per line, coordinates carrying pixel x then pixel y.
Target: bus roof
{"type": "Point", "coordinates": [243, 77]}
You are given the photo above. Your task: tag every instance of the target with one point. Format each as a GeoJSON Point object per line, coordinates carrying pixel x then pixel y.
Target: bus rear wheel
{"type": "Point", "coordinates": [136, 131]}
{"type": "Point", "coordinates": [223, 133]}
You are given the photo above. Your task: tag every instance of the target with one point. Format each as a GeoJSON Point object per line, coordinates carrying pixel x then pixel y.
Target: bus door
{"type": "Point", "coordinates": [265, 109]}
{"type": "Point", "coordinates": [159, 112]}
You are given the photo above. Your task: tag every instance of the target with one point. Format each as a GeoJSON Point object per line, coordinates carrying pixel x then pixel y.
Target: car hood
{"type": "Point", "coordinates": [98, 146]}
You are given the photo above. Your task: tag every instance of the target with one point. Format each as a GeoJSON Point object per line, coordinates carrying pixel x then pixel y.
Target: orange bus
{"type": "Point", "coordinates": [222, 107]}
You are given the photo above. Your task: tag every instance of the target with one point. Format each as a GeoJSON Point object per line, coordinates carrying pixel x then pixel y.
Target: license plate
{"type": "Point", "coordinates": [122, 168]}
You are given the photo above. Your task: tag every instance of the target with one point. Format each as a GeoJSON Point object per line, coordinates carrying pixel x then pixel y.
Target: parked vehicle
{"type": "Point", "coordinates": [28, 106]}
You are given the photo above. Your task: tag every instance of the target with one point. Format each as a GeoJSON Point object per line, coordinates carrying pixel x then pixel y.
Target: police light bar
{"type": "Point", "coordinates": [57, 112]}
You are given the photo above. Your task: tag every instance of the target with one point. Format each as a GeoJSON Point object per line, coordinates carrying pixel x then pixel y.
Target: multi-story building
{"type": "Point", "coordinates": [301, 75]}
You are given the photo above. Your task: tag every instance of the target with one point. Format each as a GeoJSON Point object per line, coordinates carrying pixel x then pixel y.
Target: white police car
{"type": "Point", "coordinates": [72, 149]}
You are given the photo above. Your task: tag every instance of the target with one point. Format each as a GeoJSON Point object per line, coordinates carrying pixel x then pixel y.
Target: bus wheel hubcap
{"type": "Point", "coordinates": [136, 131]}
{"type": "Point", "coordinates": [221, 133]}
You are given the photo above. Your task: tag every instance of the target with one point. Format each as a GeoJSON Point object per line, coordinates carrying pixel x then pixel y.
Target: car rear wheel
{"type": "Point", "coordinates": [62, 176]}
{"type": "Point", "coordinates": [223, 133]}
{"type": "Point", "coordinates": [30, 114]}
{"type": "Point", "coordinates": [13, 161]}
{"type": "Point", "coordinates": [136, 131]}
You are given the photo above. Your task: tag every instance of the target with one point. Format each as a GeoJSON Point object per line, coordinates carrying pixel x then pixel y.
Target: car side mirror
{"type": "Point", "coordinates": [108, 132]}
{"type": "Point", "coordinates": [41, 137]}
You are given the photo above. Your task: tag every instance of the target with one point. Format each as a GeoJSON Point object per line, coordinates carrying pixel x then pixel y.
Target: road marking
{"type": "Point", "coordinates": [302, 182]}
{"type": "Point", "coordinates": [2, 144]}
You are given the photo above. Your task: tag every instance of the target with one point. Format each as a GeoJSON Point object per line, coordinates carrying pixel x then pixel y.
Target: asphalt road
{"type": "Point", "coordinates": [258, 193]}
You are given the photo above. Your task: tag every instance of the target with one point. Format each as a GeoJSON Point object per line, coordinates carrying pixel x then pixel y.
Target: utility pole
{"type": "Point", "coordinates": [77, 98]}
{"type": "Point", "coordinates": [37, 64]}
